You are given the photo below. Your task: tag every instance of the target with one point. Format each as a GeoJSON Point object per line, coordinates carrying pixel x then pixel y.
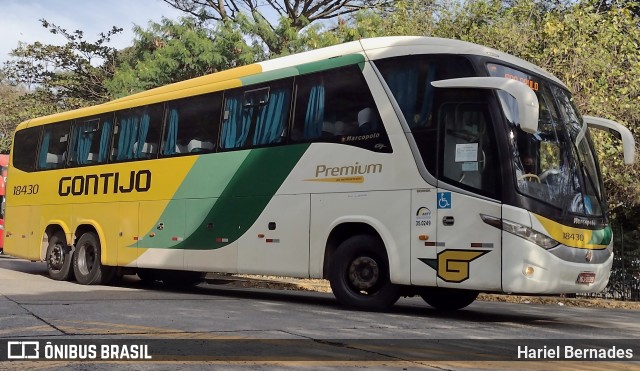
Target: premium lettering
{"type": "Point", "coordinates": [94, 184]}
{"type": "Point", "coordinates": [355, 169]}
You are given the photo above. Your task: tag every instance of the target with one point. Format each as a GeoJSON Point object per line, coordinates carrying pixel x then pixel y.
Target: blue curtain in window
{"type": "Point", "coordinates": [235, 128]}
{"type": "Point", "coordinates": [84, 144]}
{"type": "Point", "coordinates": [44, 149]}
{"type": "Point", "coordinates": [404, 86]}
{"type": "Point", "coordinates": [128, 131]}
{"type": "Point", "coordinates": [143, 130]}
{"type": "Point", "coordinates": [315, 113]}
{"type": "Point", "coordinates": [272, 118]}
{"type": "Point", "coordinates": [104, 141]}
{"type": "Point", "coordinates": [73, 148]}
{"type": "Point", "coordinates": [427, 101]}
{"type": "Point", "coordinates": [172, 133]}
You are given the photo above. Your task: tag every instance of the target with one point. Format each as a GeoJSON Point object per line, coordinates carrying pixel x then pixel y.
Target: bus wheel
{"type": "Point", "coordinates": [448, 299]}
{"type": "Point", "coordinates": [59, 258]}
{"type": "Point", "coordinates": [359, 274]}
{"type": "Point", "coordinates": [86, 261]}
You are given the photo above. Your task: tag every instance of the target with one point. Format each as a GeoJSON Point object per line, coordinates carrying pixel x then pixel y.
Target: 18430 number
{"type": "Point", "coordinates": [29, 189]}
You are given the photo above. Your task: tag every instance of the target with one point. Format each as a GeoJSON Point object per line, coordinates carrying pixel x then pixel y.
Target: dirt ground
{"type": "Point", "coordinates": [286, 283]}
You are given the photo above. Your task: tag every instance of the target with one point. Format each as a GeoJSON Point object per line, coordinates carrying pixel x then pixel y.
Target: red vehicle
{"type": "Point", "coordinates": [4, 165]}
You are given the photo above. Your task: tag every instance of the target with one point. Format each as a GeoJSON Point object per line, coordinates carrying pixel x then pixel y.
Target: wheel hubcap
{"type": "Point", "coordinates": [86, 259]}
{"type": "Point", "coordinates": [364, 273]}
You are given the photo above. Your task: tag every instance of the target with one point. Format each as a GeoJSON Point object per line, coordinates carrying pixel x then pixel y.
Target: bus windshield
{"type": "Point", "coordinates": [556, 165]}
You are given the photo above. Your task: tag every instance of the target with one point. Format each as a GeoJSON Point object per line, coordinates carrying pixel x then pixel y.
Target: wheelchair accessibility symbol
{"type": "Point", "coordinates": [444, 200]}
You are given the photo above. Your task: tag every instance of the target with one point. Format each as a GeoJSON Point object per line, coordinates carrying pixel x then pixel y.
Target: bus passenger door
{"type": "Point", "coordinates": [469, 190]}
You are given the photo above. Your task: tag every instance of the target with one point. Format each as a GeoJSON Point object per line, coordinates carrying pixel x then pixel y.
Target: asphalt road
{"type": "Point", "coordinates": [221, 327]}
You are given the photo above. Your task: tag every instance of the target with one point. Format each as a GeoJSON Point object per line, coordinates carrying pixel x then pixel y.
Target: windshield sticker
{"type": "Point", "coordinates": [469, 166]}
{"type": "Point", "coordinates": [466, 152]}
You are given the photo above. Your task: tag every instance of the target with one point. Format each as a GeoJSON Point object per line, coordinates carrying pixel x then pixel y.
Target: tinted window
{"type": "Point", "coordinates": [469, 156]}
{"type": "Point", "coordinates": [137, 133]}
{"type": "Point", "coordinates": [53, 146]}
{"type": "Point", "coordinates": [337, 106]}
{"type": "Point", "coordinates": [90, 140]}
{"type": "Point", "coordinates": [192, 125]}
{"type": "Point", "coordinates": [409, 79]}
{"type": "Point", "coordinates": [256, 116]}
{"type": "Point", "coordinates": [25, 146]}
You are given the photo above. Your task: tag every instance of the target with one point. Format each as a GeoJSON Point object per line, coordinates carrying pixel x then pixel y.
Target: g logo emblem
{"type": "Point", "coordinates": [453, 265]}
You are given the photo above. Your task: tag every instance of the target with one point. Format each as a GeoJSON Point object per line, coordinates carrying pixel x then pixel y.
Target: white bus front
{"type": "Point", "coordinates": [520, 205]}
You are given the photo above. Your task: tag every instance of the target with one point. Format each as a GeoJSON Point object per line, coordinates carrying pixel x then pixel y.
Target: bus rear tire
{"type": "Point", "coordinates": [87, 265]}
{"type": "Point", "coordinates": [448, 299]}
{"type": "Point", "coordinates": [359, 274]}
{"type": "Point", "coordinates": [59, 256]}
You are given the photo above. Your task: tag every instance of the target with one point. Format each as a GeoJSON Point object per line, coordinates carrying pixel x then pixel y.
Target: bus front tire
{"type": "Point", "coordinates": [448, 299]}
{"type": "Point", "coordinates": [59, 258]}
{"type": "Point", "coordinates": [359, 274]}
{"type": "Point", "coordinates": [87, 265]}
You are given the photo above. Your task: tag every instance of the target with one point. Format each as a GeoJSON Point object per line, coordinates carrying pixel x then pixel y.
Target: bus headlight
{"type": "Point", "coordinates": [529, 234]}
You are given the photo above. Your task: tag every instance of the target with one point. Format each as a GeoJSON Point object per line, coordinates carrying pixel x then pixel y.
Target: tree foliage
{"type": "Point", "coordinates": [252, 15]}
{"type": "Point", "coordinates": [172, 51]}
{"type": "Point", "coordinates": [73, 72]}
{"type": "Point", "coordinates": [594, 50]}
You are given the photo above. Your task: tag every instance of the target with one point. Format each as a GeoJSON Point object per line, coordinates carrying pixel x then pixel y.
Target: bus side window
{"type": "Point", "coordinates": [192, 125]}
{"type": "Point", "coordinates": [136, 134]}
{"type": "Point", "coordinates": [337, 106]}
{"type": "Point", "coordinates": [256, 116]}
{"type": "Point", "coordinates": [53, 146]}
{"type": "Point", "coordinates": [90, 139]}
{"type": "Point", "coordinates": [24, 150]}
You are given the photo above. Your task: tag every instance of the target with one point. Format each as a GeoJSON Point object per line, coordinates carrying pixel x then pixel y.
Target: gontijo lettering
{"type": "Point", "coordinates": [136, 181]}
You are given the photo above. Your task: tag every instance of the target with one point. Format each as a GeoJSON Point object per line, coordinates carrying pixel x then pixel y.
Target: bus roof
{"type": "Point", "coordinates": [291, 65]}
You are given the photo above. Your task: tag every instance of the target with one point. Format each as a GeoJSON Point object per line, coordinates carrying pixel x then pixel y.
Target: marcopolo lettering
{"type": "Point", "coordinates": [93, 184]}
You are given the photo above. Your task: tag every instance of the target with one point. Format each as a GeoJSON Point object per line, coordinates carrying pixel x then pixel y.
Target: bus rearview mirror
{"type": "Point", "coordinates": [619, 131]}
{"type": "Point", "coordinates": [528, 106]}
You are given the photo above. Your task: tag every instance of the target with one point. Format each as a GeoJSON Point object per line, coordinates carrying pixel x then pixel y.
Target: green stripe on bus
{"type": "Point", "coordinates": [245, 196]}
{"type": "Point", "coordinates": [302, 69]}
{"type": "Point", "coordinates": [330, 63]}
{"type": "Point", "coordinates": [269, 76]}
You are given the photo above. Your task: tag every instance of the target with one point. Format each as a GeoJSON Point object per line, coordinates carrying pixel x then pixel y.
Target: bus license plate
{"type": "Point", "coordinates": [587, 277]}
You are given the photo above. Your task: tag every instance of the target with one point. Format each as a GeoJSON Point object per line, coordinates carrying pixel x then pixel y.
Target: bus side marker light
{"type": "Point", "coordinates": [261, 235]}
{"type": "Point", "coordinates": [528, 271]}
{"type": "Point", "coordinates": [177, 238]}
{"type": "Point", "coordinates": [152, 234]}
{"type": "Point", "coordinates": [423, 237]}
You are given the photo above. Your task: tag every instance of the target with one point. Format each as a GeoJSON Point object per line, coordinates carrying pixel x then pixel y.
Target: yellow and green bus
{"type": "Point", "coordinates": [390, 166]}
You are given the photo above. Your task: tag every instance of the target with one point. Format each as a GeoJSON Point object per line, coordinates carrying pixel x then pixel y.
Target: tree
{"type": "Point", "coordinates": [10, 108]}
{"type": "Point", "coordinates": [73, 73]}
{"type": "Point", "coordinates": [252, 15]}
{"type": "Point", "coordinates": [172, 51]}
{"type": "Point", "coordinates": [595, 52]}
